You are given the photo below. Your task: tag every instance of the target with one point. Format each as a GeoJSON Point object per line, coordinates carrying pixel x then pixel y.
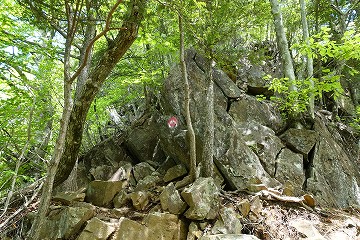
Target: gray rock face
{"type": "Point", "coordinates": [203, 198]}
{"type": "Point", "coordinates": [290, 168]}
{"type": "Point", "coordinates": [175, 172]}
{"type": "Point", "coordinates": [120, 199]}
{"type": "Point", "coordinates": [263, 142]}
{"type": "Point", "coordinates": [142, 142]}
{"type": "Point", "coordinates": [142, 170]}
{"type": "Point", "coordinates": [227, 86]}
{"type": "Point", "coordinates": [301, 140]}
{"type": "Point", "coordinates": [69, 197]}
{"type": "Point", "coordinates": [334, 174]}
{"type": "Point", "coordinates": [249, 108]}
{"type": "Point", "coordinates": [101, 193]}
{"type": "Point", "coordinates": [237, 162]}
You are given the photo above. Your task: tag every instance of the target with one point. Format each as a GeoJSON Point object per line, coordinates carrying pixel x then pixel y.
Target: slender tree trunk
{"type": "Point", "coordinates": [45, 199]}
{"type": "Point", "coordinates": [282, 43]}
{"type": "Point", "coordinates": [285, 55]}
{"type": "Point", "coordinates": [190, 129]}
{"type": "Point", "coordinates": [308, 58]}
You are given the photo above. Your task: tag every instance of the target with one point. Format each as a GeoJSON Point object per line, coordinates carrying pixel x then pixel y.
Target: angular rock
{"type": "Point", "coordinates": [142, 170]}
{"type": "Point", "coordinates": [175, 172]}
{"type": "Point", "coordinates": [129, 229]}
{"type": "Point", "coordinates": [147, 182]}
{"type": "Point", "coordinates": [256, 84]}
{"type": "Point", "coordinates": [334, 174]}
{"type": "Point", "coordinates": [139, 199]}
{"type": "Point", "coordinates": [194, 232]}
{"type": "Point", "coordinates": [69, 197]}
{"type": "Point", "coordinates": [228, 87]}
{"type": "Point", "coordinates": [203, 198]}
{"type": "Point", "coordinates": [123, 172]}
{"type": "Point", "coordinates": [142, 142]}
{"type": "Point", "coordinates": [120, 199]}
{"type": "Point", "coordinates": [165, 226]}
{"type": "Point", "coordinates": [249, 108]}
{"type": "Point", "coordinates": [102, 173]}
{"type": "Point", "coordinates": [229, 237]}
{"type": "Point", "coordinates": [263, 142]}
{"type": "Point", "coordinates": [236, 161]}
{"type": "Point", "coordinates": [97, 230]}
{"type": "Point", "coordinates": [65, 223]}
{"type": "Point", "coordinates": [300, 140]}
{"type": "Point", "coordinates": [228, 223]}
{"type": "Point", "coordinates": [107, 155]}
{"type": "Point", "coordinates": [101, 193]}
{"type": "Point", "coordinates": [171, 201]}
{"type": "Point", "coordinates": [244, 207]}
{"type": "Point", "coordinates": [290, 169]}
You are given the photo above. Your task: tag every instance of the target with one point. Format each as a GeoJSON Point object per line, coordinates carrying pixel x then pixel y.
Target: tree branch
{"type": "Point", "coordinates": [91, 44]}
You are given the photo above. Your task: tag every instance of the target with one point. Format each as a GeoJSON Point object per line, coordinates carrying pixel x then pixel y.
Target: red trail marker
{"type": "Point", "coordinates": [172, 122]}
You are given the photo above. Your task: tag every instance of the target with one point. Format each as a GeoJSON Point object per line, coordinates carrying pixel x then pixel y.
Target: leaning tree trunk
{"type": "Point", "coordinates": [124, 39]}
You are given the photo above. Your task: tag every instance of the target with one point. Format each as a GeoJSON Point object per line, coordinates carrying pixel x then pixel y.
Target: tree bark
{"type": "Point", "coordinates": [282, 42]}
{"type": "Point", "coordinates": [190, 129]}
{"type": "Point", "coordinates": [308, 58]}
{"type": "Point", "coordinates": [124, 39]}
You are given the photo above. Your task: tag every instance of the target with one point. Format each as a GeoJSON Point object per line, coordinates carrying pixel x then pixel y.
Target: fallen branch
{"type": "Point", "coordinates": [22, 208]}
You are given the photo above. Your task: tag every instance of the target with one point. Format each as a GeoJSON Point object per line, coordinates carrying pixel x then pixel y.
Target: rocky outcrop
{"type": "Point", "coordinates": [131, 178]}
{"type": "Point", "coordinates": [252, 144]}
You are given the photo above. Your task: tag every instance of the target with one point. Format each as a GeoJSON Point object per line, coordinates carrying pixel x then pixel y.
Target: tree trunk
{"type": "Point", "coordinates": [282, 42]}
{"type": "Point", "coordinates": [124, 39]}
{"type": "Point", "coordinates": [308, 58]}
{"type": "Point", "coordinates": [190, 129]}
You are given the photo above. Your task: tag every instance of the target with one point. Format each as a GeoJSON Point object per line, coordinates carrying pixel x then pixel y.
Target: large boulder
{"type": "Point", "coordinates": [165, 226]}
{"type": "Point", "coordinates": [171, 201]}
{"type": "Point", "coordinates": [203, 198]}
{"type": "Point", "coordinates": [290, 170]}
{"type": "Point", "coordinates": [97, 229]}
{"type": "Point", "coordinates": [263, 142]}
{"type": "Point", "coordinates": [248, 108]}
{"type": "Point", "coordinates": [129, 229]}
{"type": "Point", "coordinates": [101, 193]}
{"type": "Point", "coordinates": [142, 142]}
{"type": "Point", "coordinates": [66, 222]}
{"type": "Point", "coordinates": [239, 165]}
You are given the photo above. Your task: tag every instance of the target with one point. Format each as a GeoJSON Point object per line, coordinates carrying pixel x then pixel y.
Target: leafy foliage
{"type": "Point", "coordinates": [295, 102]}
